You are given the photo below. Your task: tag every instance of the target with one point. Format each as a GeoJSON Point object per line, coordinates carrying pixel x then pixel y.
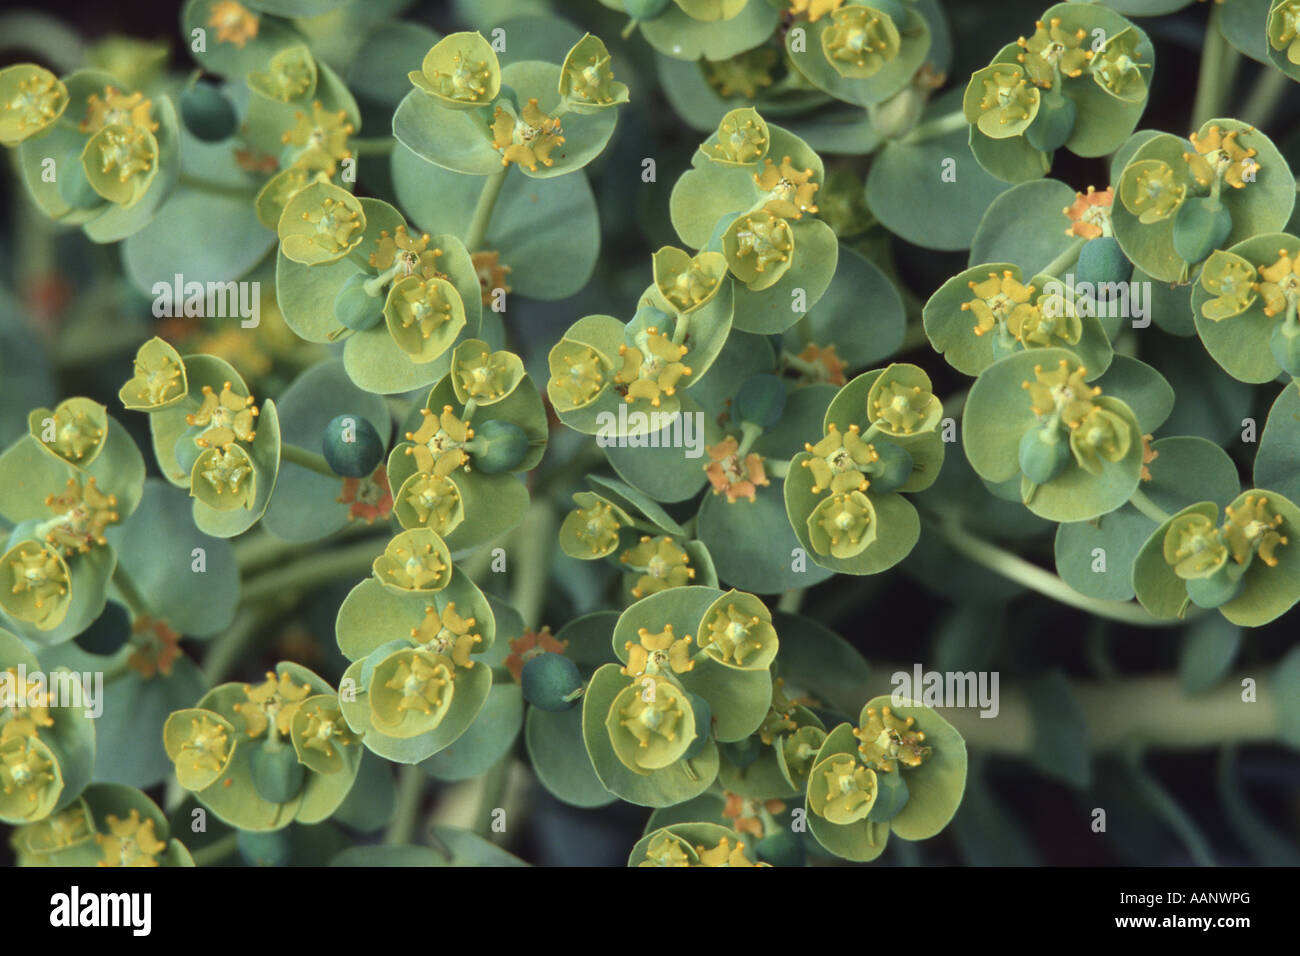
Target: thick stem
{"type": "Point", "coordinates": [492, 796]}
{"type": "Point", "coordinates": [410, 791]}
{"type": "Point", "coordinates": [135, 601]}
{"type": "Point", "coordinates": [307, 459]}
{"type": "Point", "coordinates": [216, 851]}
{"type": "Point", "coordinates": [1068, 257]}
{"type": "Point", "coordinates": [1016, 568]}
{"type": "Point", "coordinates": [939, 126]}
{"type": "Point", "coordinates": [216, 189]}
{"type": "Point", "coordinates": [534, 540]}
{"type": "Point", "coordinates": [353, 561]}
{"type": "Point", "coordinates": [377, 146]}
{"type": "Point", "coordinates": [487, 201]}
{"type": "Point", "coordinates": [1149, 508]}
{"type": "Point", "coordinates": [1218, 69]}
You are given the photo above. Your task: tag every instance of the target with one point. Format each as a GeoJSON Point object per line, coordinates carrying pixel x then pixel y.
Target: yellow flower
{"type": "Point", "coordinates": [860, 41]}
{"type": "Point", "coordinates": [130, 842]}
{"type": "Point", "coordinates": [273, 703]}
{"type": "Point", "coordinates": [885, 741]}
{"type": "Point", "coordinates": [656, 653]}
{"type": "Point", "coordinates": [448, 634]}
{"type": "Point", "coordinates": [1231, 280]}
{"type": "Point", "coordinates": [39, 591]}
{"type": "Point", "coordinates": [998, 299]}
{"type": "Point", "coordinates": [82, 514]}
{"type": "Point", "coordinates": [1284, 29]}
{"type": "Point", "coordinates": [24, 707]}
{"type": "Point", "coordinates": [225, 418]}
{"type": "Point", "coordinates": [1280, 282]}
{"type": "Point", "coordinates": [1220, 155]}
{"type": "Point", "coordinates": [207, 746]}
{"type": "Point", "coordinates": [235, 23]}
{"type": "Point", "coordinates": [660, 564]}
{"type": "Point", "coordinates": [1053, 48]}
{"type": "Point", "coordinates": [733, 635]}
{"type": "Point", "coordinates": [1193, 547]}
{"type": "Point", "coordinates": [724, 854]}
{"type": "Point", "coordinates": [1150, 190]}
{"type": "Point", "coordinates": [528, 139]}
{"type": "Point", "coordinates": [1101, 434]}
{"type": "Point", "coordinates": [839, 460]}
{"type": "Point", "coordinates": [27, 777]}
{"type": "Point", "coordinates": [323, 132]}
{"type": "Point", "coordinates": [843, 525]}
{"type": "Point", "coordinates": [652, 368]}
{"type": "Point", "coordinates": [814, 10]}
{"type": "Point", "coordinates": [439, 442]}
{"type": "Point", "coordinates": [1061, 391]}
{"type": "Point", "coordinates": [159, 378]}
{"type": "Point", "coordinates": [31, 99]}
{"type": "Point", "coordinates": [791, 190]}
{"type": "Point", "coordinates": [117, 109]}
{"type": "Point", "coordinates": [578, 372]}
{"type": "Point", "coordinates": [1253, 527]}
{"type": "Point", "coordinates": [849, 790]}
{"type": "Point", "coordinates": [667, 850]}
{"type": "Point", "coordinates": [597, 526]}
{"type": "Point", "coordinates": [435, 501]}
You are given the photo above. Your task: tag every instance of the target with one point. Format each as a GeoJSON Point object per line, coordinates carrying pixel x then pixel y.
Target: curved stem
{"type": "Point", "coordinates": [353, 561]}
{"type": "Point", "coordinates": [934, 128]}
{"type": "Point", "coordinates": [1149, 508]}
{"type": "Point", "coordinates": [308, 459]}
{"type": "Point", "coordinates": [216, 851]}
{"type": "Point", "coordinates": [1015, 568]}
{"type": "Point", "coordinates": [376, 146]}
{"type": "Point", "coordinates": [130, 593]}
{"type": "Point", "coordinates": [492, 796]}
{"type": "Point", "coordinates": [1068, 257]}
{"type": "Point", "coordinates": [216, 189]}
{"type": "Point", "coordinates": [487, 201]}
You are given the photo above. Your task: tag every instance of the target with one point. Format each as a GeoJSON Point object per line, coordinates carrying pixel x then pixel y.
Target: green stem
{"type": "Point", "coordinates": [776, 467]}
{"type": "Point", "coordinates": [1068, 257]}
{"type": "Point", "coordinates": [749, 433]}
{"type": "Point", "coordinates": [934, 128]}
{"type": "Point", "coordinates": [377, 146]}
{"type": "Point", "coordinates": [130, 593]}
{"type": "Point", "coordinates": [628, 30]}
{"type": "Point", "coordinates": [1218, 69]}
{"type": "Point", "coordinates": [791, 600]}
{"type": "Point", "coordinates": [487, 201]}
{"type": "Point", "coordinates": [410, 790]}
{"type": "Point", "coordinates": [1265, 96]}
{"type": "Point", "coordinates": [225, 650]}
{"type": "Point", "coordinates": [216, 189]}
{"type": "Point", "coordinates": [805, 328]}
{"type": "Point", "coordinates": [1174, 815]}
{"type": "Point", "coordinates": [1015, 568]}
{"type": "Point", "coordinates": [307, 459]}
{"type": "Point", "coordinates": [492, 796]}
{"type": "Point", "coordinates": [374, 286]}
{"type": "Point", "coordinates": [351, 561]}
{"type": "Point", "coordinates": [216, 851]}
{"type": "Point", "coordinates": [1149, 508]}
{"type": "Point", "coordinates": [535, 539]}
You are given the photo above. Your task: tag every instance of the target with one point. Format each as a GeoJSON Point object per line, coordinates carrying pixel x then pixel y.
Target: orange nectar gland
{"type": "Point", "coordinates": [235, 23]}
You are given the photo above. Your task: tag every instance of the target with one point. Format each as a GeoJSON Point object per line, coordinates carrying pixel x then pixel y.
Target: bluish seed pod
{"type": "Point", "coordinates": [1102, 260]}
{"type": "Point", "coordinates": [1199, 229]}
{"type": "Point", "coordinates": [503, 446]}
{"type": "Point", "coordinates": [891, 796]}
{"type": "Point", "coordinates": [549, 682]}
{"type": "Point", "coordinates": [277, 774]}
{"type": "Point", "coordinates": [645, 9]}
{"type": "Point", "coordinates": [782, 848]}
{"type": "Point", "coordinates": [265, 849]}
{"type": "Point", "coordinates": [894, 466]}
{"type": "Point", "coordinates": [355, 308]}
{"type": "Point", "coordinates": [207, 113]}
{"type": "Point", "coordinates": [352, 446]}
{"type": "Point", "coordinates": [1053, 125]}
{"type": "Point", "coordinates": [186, 452]}
{"type": "Point", "coordinates": [1218, 589]}
{"type": "Point", "coordinates": [1285, 346]}
{"type": "Point", "coordinates": [1044, 453]}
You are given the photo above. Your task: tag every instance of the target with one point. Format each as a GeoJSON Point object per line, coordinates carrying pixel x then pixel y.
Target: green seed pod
{"type": "Point", "coordinates": [1053, 125]}
{"type": "Point", "coordinates": [891, 797]}
{"type": "Point", "coordinates": [645, 9]}
{"type": "Point", "coordinates": [265, 849]}
{"type": "Point", "coordinates": [1043, 454]}
{"type": "Point", "coordinates": [109, 632]}
{"type": "Point", "coordinates": [1285, 346]}
{"type": "Point", "coordinates": [208, 114]}
{"type": "Point", "coordinates": [782, 848]}
{"type": "Point", "coordinates": [1102, 260]}
{"type": "Point", "coordinates": [703, 724]}
{"type": "Point", "coordinates": [74, 186]}
{"type": "Point", "coordinates": [352, 446]}
{"type": "Point", "coordinates": [761, 400]}
{"type": "Point", "coordinates": [355, 308]}
{"type": "Point", "coordinates": [891, 469]}
{"type": "Point", "coordinates": [1199, 229]}
{"type": "Point", "coordinates": [550, 682]}
{"type": "Point", "coordinates": [277, 774]}
{"type": "Point", "coordinates": [501, 446]}
{"type": "Point", "coordinates": [1217, 589]}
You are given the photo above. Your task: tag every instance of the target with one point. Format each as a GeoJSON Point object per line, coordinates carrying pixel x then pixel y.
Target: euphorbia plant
{"type": "Point", "coordinates": [458, 336]}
